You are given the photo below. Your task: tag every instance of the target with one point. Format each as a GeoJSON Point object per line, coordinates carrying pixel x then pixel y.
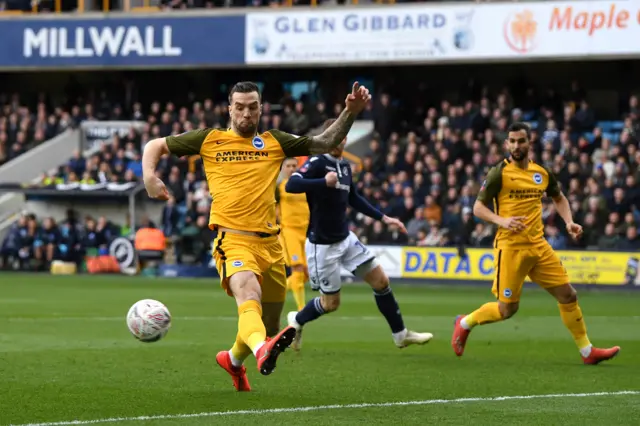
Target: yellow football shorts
{"type": "Point", "coordinates": [262, 256]}
{"type": "Point", "coordinates": [540, 263]}
{"type": "Point", "coordinates": [293, 240]}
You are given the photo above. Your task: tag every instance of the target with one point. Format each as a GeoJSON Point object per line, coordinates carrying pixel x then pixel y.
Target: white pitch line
{"type": "Point", "coordinates": [326, 407]}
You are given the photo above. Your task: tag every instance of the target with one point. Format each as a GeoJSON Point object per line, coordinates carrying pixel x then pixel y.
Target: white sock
{"type": "Point", "coordinates": [399, 336]}
{"type": "Point", "coordinates": [463, 324]}
{"type": "Point", "coordinates": [293, 323]}
{"type": "Point", "coordinates": [257, 348]}
{"type": "Point", "coordinates": [235, 361]}
{"type": "Point", "coordinates": [586, 351]}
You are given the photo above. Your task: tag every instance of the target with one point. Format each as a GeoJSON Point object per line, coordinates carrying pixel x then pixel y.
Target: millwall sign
{"type": "Point", "coordinates": [127, 42]}
{"type": "Point", "coordinates": [87, 42]}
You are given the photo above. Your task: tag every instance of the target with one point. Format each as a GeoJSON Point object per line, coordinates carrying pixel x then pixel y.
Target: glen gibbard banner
{"type": "Point", "coordinates": [436, 32]}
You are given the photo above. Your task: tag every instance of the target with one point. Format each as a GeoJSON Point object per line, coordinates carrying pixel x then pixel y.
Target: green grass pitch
{"type": "Point", "coordinates": [66, 354]}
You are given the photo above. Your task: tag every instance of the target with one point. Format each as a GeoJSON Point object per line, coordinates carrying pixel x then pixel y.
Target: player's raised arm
{"type": "Point", "coordinates": [355, 102]}
{"type": "Point", "coordinates": [488, 192]}
{"type": "Point", "coordinates": [332, 136]}
{"type": "Point", "coordinates": [188, 143]}
{"type": "Point", "coordinates": [562, 206]}
{"type": "Point", "coordinates": [360, 204]}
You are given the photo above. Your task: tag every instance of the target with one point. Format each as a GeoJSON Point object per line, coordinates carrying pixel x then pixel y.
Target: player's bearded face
{"type": "Point", "coordinates": [518, 145]}
{"type": "Point", "coordinates": [245, 113]}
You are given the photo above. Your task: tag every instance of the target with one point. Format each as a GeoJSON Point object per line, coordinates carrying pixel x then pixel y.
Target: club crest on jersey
{"type": "Point", "coordinates": [507, 292]}
{"type": "Point", "coordinates": [537, 178]}
{"type": "Point", "coordinates": [237, 263]}
{"type": "Point", "coordinates": [345, 171]}
{"type": "Point", "coordinates": [258, 143]}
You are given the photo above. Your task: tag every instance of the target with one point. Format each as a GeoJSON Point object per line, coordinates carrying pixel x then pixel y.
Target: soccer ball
{"type": "Point", "coordinates": [148, 320]}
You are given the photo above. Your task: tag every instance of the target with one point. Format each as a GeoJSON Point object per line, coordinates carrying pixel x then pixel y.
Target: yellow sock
{"type": "Point", "coordinates": [296, 284]}
{"type": "Point", "coordinates": [572, 318]}
{"type": "Point", "coordinates": [239, 351]}
{"type": "Point", "coordinates": [250, 326]}
{"type": "Point", "coordinates": [485, 314]}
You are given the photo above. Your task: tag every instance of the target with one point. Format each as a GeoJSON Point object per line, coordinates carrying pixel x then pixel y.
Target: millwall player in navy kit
{"type": "Point", "coordinates": [327, 181]}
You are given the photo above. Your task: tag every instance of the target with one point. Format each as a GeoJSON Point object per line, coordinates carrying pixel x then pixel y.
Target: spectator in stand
{"type": "Point", "coordinates": [170, 217]}
{"type": "Point", "coordinates": [555, 239]}
{"type": "Point", "coordinates": [610, 239]}
{"type": "Point", "coordinates": [630, 241]}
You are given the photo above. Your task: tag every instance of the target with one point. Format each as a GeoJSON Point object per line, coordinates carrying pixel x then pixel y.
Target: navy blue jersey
{"type": "Point", "coordinates": [328, 221]}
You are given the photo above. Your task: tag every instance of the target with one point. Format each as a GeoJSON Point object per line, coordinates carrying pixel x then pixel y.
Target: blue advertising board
{"type": "Point", "coordinates": [122, 42]}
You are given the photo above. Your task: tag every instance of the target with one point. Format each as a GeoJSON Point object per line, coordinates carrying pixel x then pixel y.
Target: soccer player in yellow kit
{"type": "Point", "coordinates": [294, 220]}
{"type": "Point", "coordinates": [516, 187]}
{"type": "Point", "coordinates": [241, 167]}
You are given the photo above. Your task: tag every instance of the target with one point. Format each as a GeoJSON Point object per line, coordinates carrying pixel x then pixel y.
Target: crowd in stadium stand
{"type": "Point", "coordinates": [23, 127]}
{"type": "Point", "coordinates": [425, 170]}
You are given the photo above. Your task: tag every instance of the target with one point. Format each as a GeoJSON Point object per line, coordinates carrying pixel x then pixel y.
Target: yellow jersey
{"type": "Point", "coordinates": [294, 210]}
{"type": "Point", "coordinates": [241, 173]}
{"type": "Point", "coordinates": [518, 192]}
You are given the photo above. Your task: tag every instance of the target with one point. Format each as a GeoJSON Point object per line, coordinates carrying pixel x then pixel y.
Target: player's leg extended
{"type": "Point", "coordinates": [327, 302]}
{"type": "Point", "coordinates": [251, 329]}
{"type": "Point", "coordinates": [240, 260]}
{"type": "Point", "coordinates": [375, 276]}
{"type": "Point", "coordinates": [274, 292]}
{"type": "Point", "coordinates": [324, 271]}
{"type": "Point", "coordinates": [552, 276]}
{"type": "Point", "coordinates": [511, 268]}
{"type": "Point", "coordinates": [233, 359]}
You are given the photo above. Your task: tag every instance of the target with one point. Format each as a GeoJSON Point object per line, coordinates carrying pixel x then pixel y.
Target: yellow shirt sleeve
{"type": "Point", "coordinates": [491, 186]}
{"type": "Point", "coordinates": [188, 143]}
{"type": "Point", "coordinates": [553, 187]}
{"type": "Point", "coordinates": [292, 145]}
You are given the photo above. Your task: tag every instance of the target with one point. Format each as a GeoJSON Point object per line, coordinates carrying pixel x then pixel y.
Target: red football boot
{"type": "Point", "coordinates": [598, 355]}
{"type": "Point", "coordinates": [268, 354]}
{"type": "Point", "coordinates": [459, 338]}
{"type": "Point", "coordinates": [238, 374]}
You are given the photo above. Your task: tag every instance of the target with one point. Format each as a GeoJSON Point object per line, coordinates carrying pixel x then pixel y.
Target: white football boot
{"type": "Point", "coordinates": [407, 337]}
{"type": "Point", "coordinates": [297, 341]}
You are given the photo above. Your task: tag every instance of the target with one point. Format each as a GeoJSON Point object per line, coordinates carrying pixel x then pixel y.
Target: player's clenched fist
{"type": "Point", "coordinates": [332, 179]}
{"type": "Point", "coordinates": [574, 230]}
{"type": "Point", "coordinates": [358, 99]}
{"type": "Point", "coordinates": [513, 224]}
{"type": "Point", "coordinates": [156, 188]}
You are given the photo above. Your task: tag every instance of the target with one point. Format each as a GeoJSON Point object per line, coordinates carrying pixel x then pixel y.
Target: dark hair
{"type": "Point", "coordinates": [327, 123]}
{"type": "Point", "coordinates": [518, 126]}
{"type": "Point", "coordinates": [244, 87]}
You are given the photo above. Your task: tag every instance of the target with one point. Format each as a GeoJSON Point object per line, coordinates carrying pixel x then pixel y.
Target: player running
{"type": "Point", "coordinates": [327, 181]}
{"type": "Point", "coordinates": [516, 187]}
{"type": "Point", "coordinates": [242, 167]}
{"type": "Point", "coordinates": [294, 219]}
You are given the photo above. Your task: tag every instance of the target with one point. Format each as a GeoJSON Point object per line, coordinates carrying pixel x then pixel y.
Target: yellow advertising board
{"type": "Point", "coordinates": [583, 267]}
